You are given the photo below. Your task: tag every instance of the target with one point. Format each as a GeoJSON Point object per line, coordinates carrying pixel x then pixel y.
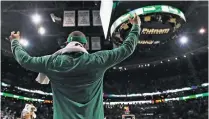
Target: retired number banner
{"type": "Point", "coordinates": [69, 19]}
{"type": "Point", "coordinates": [83, 18]}
{"type": "Point", "coordinates": [95, 43]}
{"type": "Point", "coordinates": [96, 18]}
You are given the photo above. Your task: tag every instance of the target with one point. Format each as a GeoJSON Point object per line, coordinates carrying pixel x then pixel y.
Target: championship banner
{"type": "Point", "coordinates": [96, 18]}
{"type": "Point", "coordinates": [83, 18]}
{"type": "Point", "coordinates": [95, 43]}
{"type": "Point", "coordinates": [69, 19]}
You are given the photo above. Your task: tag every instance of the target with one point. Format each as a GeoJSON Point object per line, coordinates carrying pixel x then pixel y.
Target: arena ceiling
{"type": "Point", "coordinates": [16, 16]}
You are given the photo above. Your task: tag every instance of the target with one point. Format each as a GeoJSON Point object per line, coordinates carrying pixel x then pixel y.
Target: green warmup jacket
{"type": "Point", "coordinates": [77, 79]}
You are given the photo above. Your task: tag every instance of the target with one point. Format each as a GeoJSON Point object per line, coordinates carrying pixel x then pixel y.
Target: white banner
{"type": "Point", "coordinates": [69, 18]}
{"type": "Point", "coordinates": [96, 18]}
{"type": "Point", "coordinates": [83, 18]}
{"type": "Point", "coordinates": [95, 43]}
{"type": "Point", "coordinates": [105, 14]}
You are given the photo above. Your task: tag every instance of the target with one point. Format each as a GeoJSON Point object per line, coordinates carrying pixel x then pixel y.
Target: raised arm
{"type": "Point", "coordinates": [110, 58]}
{"type": "Point", "coordinates": [37, 64]}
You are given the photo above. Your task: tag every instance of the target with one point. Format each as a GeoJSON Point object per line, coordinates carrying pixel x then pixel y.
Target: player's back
{"type": "Point", "coordinates": [77, 88]}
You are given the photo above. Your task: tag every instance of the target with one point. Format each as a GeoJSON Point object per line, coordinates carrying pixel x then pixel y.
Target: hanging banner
{"type": "Point", "coordinates": [69, 19]}
{"type": "Point", "coordinates": [96, 18]}
{"type": "Point", "coordinates": [105, 14]}
{"type": "Point", "coordinates": [95, 43]}
{"type": "Point", "coordinates": [83, 18]}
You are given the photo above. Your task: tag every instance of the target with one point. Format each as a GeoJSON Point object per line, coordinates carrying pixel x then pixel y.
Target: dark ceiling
{"type": "Point", "coordinates": [16, 16]}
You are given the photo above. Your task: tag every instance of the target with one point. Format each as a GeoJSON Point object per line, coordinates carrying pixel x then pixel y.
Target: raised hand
{"type": "Point", "coordinates": [14, 36]}
{"type": "Point", "coordinates": [135, 20]}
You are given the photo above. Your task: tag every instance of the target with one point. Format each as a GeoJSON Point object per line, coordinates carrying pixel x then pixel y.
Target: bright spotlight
{"type": "Point", "coordinates": [41, 30]}
{"type": "Point", "coordinates": [161, 62]}
{"type": "Point", "coordinates": [36, 18]}
{"type": "Point", "coordinates": [202, 30]}
{"type": "Point", "coordinates": [176, 58]}
{"type": "Point", "coordinates": [148, 65]}
{"type": "Point", "coordinates": [185, 56]}
{"type": "Point", "coordinates": [24, 42]}
{"type": "Point", "coordinates": [168, 60]}
{"type": "Point", "coordinates": [184, 40]}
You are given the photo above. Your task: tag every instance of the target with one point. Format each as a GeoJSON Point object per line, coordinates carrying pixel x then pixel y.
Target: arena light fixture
{"type": "Point", "coordinates": [176, 58]}
{"type": "Point", "coordinates": [185, 56]}
{"type": "Point", "coordinates": [24, 42]}
{"type": "Point", "coordinates": [148, 65]}
{"type": "Point", "coordinates": [36, 18]}
{"type": "Point", "coordinates": [120, 68]}
{"type": "Point", "coordinates": [161, 62]}
{"type": "Point", "coordinates": [202, 31]}
{"type": "Point", "coordinates": [183, 40]}
{"type": "Point", "coordinates": [41, 30]}
{"type": "Point", "coordinates": [168, 60]}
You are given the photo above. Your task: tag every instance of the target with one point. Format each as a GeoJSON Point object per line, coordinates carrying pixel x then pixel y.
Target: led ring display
{"type": "Point", "coordinates": [158, 24]}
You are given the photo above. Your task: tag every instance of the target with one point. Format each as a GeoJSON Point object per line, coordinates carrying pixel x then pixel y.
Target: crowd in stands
{"type": "Point", "coordinates": [149, 79]}
{"type": "Point", "coordinates": [188, 109]}
{"type": "Point", "coordinates": [11, 109]}
{"type": "Point", "coordinates": [130, 85]}
{"type": "Point", "coordinates": [115, 87]}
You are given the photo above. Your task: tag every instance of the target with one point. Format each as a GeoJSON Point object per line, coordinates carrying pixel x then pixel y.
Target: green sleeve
{"type": "Point", "coordinates": [110, 58]}
{"type": "Point", "coordinates": [36, 64]}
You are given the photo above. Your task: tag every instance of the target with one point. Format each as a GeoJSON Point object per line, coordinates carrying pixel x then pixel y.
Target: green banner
{"type": "Point", "coordinates": [20, 97]}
